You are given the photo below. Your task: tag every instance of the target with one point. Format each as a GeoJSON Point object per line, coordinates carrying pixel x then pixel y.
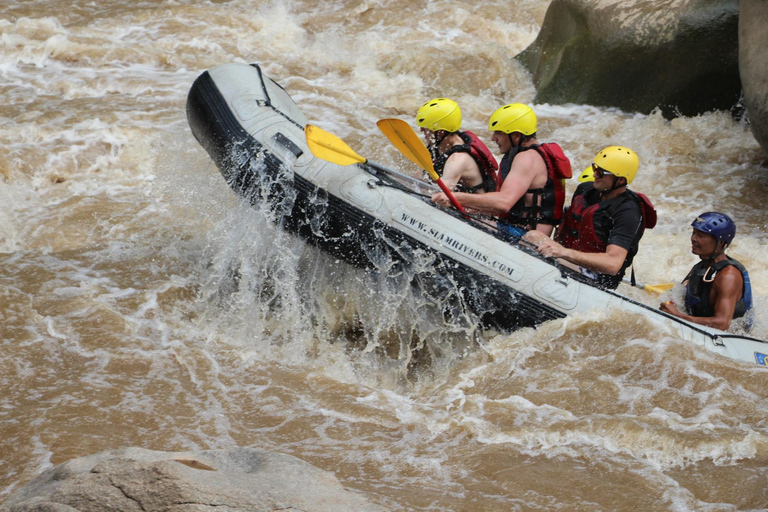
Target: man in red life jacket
{"type": "Point", "coordinates": [532, 189]}
{"type": "Point", "coordinates": [459, 157]}
{"type": "Point", "coordinates": [602, 228]}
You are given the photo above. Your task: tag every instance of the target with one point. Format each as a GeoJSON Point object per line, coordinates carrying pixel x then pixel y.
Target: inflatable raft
{"type": "Point", "coordinates": [371, 216]}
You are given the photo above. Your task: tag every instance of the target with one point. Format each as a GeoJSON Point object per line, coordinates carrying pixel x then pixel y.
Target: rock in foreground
{"type": "Point", "coordinates": [134, 479]}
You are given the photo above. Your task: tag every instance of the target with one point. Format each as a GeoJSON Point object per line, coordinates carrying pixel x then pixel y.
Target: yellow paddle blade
{"type": "Point", "coordinates": [329, 147]}
{"type": "Point", "coordinates": [408, 142]}
{"type": "Point", "coordinates": [658, 288]}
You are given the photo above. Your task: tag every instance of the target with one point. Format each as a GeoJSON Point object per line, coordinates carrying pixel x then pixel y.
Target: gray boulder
{"type": "Point", "coordinates": [134, 479]}
{"type": "Point", "coordinates": [680, 56]}
{"type": "Point", "coordinates": [753, 65]}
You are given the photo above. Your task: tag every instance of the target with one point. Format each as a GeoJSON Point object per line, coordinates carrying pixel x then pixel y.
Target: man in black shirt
{"type": "Point", "coordinates": [602, 228]}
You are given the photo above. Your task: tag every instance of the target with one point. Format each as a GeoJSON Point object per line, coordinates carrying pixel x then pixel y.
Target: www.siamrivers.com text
{"type": "Point", "coordinates": [455, 244]}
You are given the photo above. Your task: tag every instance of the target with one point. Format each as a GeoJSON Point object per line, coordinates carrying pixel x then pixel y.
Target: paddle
{"type": "Point", "coordinates": [329, 147]}
{"type": "Point", "coordinates": [651, 288]}
{"type": "Point", "coordinates": [402, 136]}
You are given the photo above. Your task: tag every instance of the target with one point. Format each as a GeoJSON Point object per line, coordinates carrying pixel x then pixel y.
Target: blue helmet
{"type": "Point", "coordinates": [716, 224]}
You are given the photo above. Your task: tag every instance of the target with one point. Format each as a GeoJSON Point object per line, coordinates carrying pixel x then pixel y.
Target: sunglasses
{"type": "Point", "coordinates": [600, 172]}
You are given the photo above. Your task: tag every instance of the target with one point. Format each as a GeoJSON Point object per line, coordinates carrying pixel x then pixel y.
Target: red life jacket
{"type": "Point", "coordinates": [578, 229]}
{"type": "Point", "coordinates": [486, 162]}
{"type": "Point", "coordinates": [548, 202]}
{"type": "Point", "coordinates": [558, 170]}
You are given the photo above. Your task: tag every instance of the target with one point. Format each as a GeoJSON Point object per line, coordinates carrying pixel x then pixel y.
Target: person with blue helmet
{"type": "Point", "coordinates": [717, 288]}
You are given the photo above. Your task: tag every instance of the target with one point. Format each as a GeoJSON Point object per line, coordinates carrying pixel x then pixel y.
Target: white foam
{"type": "Point", "coordinates": [150, 292]}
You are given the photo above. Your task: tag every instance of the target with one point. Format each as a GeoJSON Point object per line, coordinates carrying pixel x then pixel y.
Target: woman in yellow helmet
{"type": "Point", "coordinates": [459, 157]}
{"type": "Point", "coordinates": [602, 228]}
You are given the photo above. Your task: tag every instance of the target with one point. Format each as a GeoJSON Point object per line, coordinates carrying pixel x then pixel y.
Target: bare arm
{"type": "Point", "coordinates": [461, 168]}
{"type": "Point", "coordinates": [727, 289]}
{"type": "Point", "coordinates": [498, 203]}
{"type": "Point", "coordinates": [608, 262]}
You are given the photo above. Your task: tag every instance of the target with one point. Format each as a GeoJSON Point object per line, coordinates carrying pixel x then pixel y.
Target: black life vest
{"type": "Point", "coordinates": [548, 202]}
{"type": "Point", "coordinates": [481, 155]}
{"type": "Point", "coordinates": [701, 278]}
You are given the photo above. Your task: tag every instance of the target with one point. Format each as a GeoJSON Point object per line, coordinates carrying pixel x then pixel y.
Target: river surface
{"type": "Point", "coordinates": [143, 304]}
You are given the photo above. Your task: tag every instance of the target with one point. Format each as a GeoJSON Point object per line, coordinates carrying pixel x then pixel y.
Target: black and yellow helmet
{"type": "Point", "coordinates": [619, 161]}
{"type": "Point", "coordinates": [439, 114]}
{"type": "Point", "coordinates": [515, 117]}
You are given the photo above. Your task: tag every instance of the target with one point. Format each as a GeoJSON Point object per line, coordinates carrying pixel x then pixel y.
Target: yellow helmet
{"type": "Point", "coordinates": [619, 161]}
{"type": "Point", "coordinates": [587, 175]}
{"type": "Point", "coordinates": [439, 114]}
{"type": "Point", "coordinates": [514, 117]}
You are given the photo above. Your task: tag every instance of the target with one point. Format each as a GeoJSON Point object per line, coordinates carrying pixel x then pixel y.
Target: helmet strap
{"type": "Point", "coordinates": [434, 146]}
{"type": "Point", "coordinates": [439, 140]}
{"type": "Point", "coordinates": [520, 141]}
{"type": "Point", "coordinates": [717, 252]}
{"type": "Point", "coordinates": [616, 184]}
{"type": "Point", "coordinates": [721, 250]}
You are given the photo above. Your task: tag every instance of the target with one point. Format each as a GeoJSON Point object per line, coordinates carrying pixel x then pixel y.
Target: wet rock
{"type": "Point", "coordinates": [680, 56]}
{"type": "Point", "coordinates": [134, 479]}
{"type": "Point", "coordinates": [753, 66]}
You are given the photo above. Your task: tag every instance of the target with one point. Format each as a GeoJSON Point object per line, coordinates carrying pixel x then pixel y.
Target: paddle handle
{"type": "Point", "coordinates": [448, 193]}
